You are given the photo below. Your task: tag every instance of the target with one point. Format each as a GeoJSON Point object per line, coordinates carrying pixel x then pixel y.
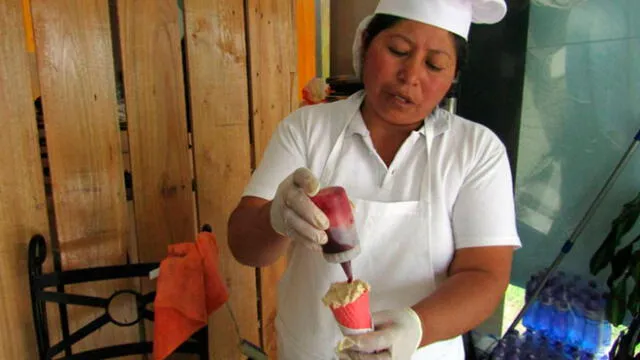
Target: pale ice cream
{"type": "Point", "coordinates": [349, 303]}
{"type": "Point", "coordinates": [343, 293]}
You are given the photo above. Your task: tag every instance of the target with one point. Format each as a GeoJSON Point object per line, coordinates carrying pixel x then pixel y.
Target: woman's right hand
{"type": "Point", "coordinates": [294, 215]}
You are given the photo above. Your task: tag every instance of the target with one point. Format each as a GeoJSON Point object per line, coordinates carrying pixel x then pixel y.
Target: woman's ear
{"type": "Point", "coordinates": [453, 89]}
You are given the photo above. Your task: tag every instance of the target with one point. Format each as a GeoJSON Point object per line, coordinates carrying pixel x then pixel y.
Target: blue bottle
{"type": "Point", "coordinates": [500, 348]}
{"type": "Point", "coordinates": [587, 356]}
{"type": "Point", "coordinates": [553, 282]}
{"type": "Point", "coordinates": [592, 338]}
{"type": "Point", "coordinates": [607, 328]}
{"type": "Point", "coordinates": [562, 277]}
{"type": "Point", "coordinates": [592, 289]}
{"type": "Point", "coordinates": [571, 288]}
{"type": "Point", "coordinates": [605, 332]}
{"type": "Point", "coordinates": [514, 354]}
{"type": "Point", "coordinates": [530, 342]}
{"type": "Point", "coordinates": [498, 353]}
{"type": "Point", "coordinates": [557, 351]}
{"type": "Point", "coordinates": [545, 312]}
{"type": "Point", "coordinates": [560, 320]}
{"type": "Point", "coordinates": [531, 286]}
{"type": "Point", "coordinates": [574, 354]}
{"type": "Point", "coordinates": [544, 349]}
{"type": "Point", "coordinates": [575, 333]}
{"type": "Point", "coordinates": [511, 341]}
{"type": "Point", "coordinates": [575, 287]}
{"type": "Point", "coordinates": [530, 318]}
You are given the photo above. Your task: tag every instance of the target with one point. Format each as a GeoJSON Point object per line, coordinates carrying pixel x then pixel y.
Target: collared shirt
{"type": "Point", "coordinates": [470, 183]}
{"type": "Point", "coordinates": [365, 175]}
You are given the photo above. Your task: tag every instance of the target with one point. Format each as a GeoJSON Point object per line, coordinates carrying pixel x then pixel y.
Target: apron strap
{"type": "Point", "coordinates": [426, 176]}
{"type": "Point", "coordinates": [430, 133]}
{"type": "Point", "coordinates": [353, 106]}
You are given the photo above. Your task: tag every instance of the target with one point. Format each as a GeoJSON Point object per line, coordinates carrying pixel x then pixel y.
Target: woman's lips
{"type": "Point", "coordinates": [400, 99]}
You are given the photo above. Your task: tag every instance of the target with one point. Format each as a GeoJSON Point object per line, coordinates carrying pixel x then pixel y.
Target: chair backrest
{"type": "Point", "coordinates": [50, 287]}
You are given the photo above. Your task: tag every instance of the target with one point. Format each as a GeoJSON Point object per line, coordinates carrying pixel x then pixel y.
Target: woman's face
{"type": "Point", "coordinates": [408, 69]}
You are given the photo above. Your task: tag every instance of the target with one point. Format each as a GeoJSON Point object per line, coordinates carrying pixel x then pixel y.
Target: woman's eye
{"type": "Point", "coordinates": [433, 66]}
{"type": "Point", "coordinates": [397, 52]}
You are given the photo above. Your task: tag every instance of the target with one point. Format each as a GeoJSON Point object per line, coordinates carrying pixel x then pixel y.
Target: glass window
{"type": "Point", "coordinates": [581, 109]}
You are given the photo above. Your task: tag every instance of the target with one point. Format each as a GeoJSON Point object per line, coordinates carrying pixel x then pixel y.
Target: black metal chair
{"type": "Point", "coordinates": [50, 288]}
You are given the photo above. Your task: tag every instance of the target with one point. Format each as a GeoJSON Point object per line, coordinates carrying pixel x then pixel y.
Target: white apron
{"type": "Point", "coordinates": [395, 259]}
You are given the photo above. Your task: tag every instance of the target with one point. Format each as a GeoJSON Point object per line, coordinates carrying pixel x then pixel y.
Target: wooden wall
{"type": "Point", "coordinates": [185, 119]}
{"type": "Point", "coordinates": [273, 68]}
{"type": "Point", "coordinates": [23, 210]}
{"type": "Point", "coordinates": [345, 17]}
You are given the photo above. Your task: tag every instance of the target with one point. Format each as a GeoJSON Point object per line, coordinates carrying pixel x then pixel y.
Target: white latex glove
{"type": "Point", "coordinates": [397, 336]}
{"type": "Point", "coordinates": [294, 215]}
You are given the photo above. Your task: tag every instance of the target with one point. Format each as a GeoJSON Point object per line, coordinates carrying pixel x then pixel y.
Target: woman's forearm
{"type": "Point", "coordinates": [252, 240]}
{"type": "Point", "coordinates": [460, 304]}
{"type": "Point", "coordinates": [466, 299]}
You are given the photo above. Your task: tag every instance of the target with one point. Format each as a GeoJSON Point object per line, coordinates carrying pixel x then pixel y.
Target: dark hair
{"type": "Point", "coordinates": [381, 22]}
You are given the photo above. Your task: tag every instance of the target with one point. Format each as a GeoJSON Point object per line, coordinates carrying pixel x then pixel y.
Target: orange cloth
{"type": "Point", "coordinates": [189, 289]}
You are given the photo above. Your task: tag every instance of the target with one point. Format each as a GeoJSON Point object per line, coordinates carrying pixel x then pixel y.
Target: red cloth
{"type": "Point", "coordinates": [189, 289]}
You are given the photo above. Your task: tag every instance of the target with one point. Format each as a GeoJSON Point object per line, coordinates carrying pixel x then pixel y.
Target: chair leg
{"type": "Point", "coordinates": [202, 337]}
{"type": "Point", "coordinates": [36, 256]}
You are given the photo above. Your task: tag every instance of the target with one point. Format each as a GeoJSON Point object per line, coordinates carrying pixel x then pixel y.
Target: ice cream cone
{"type": "Point", "coordinates": [349, 303]}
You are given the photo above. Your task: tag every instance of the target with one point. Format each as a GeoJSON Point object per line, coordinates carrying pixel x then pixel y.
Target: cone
{"type": "Point", "coordinates": [355, 317]}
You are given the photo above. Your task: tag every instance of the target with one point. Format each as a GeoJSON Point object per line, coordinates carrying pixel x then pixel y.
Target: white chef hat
{"type": "Point", "coordinates": [455, 16]}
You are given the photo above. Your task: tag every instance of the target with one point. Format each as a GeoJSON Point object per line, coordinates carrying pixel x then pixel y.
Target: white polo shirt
{"type": "Point", "coordinates": [471, 183]}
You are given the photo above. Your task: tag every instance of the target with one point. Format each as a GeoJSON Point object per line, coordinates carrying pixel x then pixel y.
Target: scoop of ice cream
{"type": "Point", "coordinates": [343, 293]}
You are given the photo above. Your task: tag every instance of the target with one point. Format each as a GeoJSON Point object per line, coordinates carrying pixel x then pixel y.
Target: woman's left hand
{"type": "Point", "coordinates": [396, 336]}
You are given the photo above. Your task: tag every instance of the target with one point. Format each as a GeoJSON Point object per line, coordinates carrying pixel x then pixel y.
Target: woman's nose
{"type": "Point", "coordinates": [409, 71]}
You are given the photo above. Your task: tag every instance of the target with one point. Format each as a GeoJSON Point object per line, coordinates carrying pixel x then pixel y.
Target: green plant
{"type": "Point", "coordinates": [620, 251]}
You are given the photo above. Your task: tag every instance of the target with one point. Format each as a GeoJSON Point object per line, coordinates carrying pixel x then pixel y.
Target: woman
{"type": "Point", "coordinates": [432, 195]}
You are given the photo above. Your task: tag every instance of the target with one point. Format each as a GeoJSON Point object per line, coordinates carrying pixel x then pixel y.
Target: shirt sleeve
{"type": "Point", "coordinates": [484, 211]}
{"type": "Point", "coordinates": [284, 153]}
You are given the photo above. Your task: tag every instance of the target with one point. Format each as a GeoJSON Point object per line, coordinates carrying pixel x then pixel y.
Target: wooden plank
{"type": "Point", "coordinates": [273, 66]}
{"type": "Point", "coordinates": [74, 51]}
{"type": "Point", "coordinates": [273, 92]}
{"type": "Point", "coordinates": [156, 116]}
{"type": "Point", "coordinates": [220, 113]}
{"type": "Point", "coordinates": [23, 210]}
{"type": "Point", "coordinates": [324, 46]}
